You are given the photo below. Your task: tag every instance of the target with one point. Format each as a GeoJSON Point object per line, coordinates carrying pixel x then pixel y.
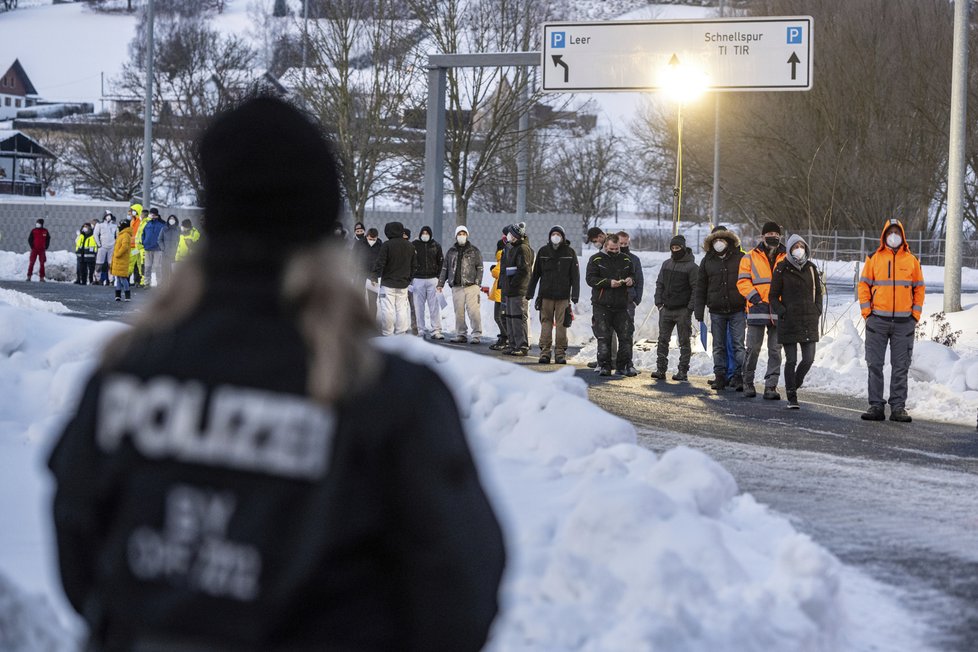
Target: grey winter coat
{"type": "Point", "coordinates": [471, 260]}
{"type": "Point", "coordinates": [169, 240]}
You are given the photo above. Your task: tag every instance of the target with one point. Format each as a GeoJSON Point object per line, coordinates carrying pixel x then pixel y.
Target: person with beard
{"type": "Point", "coordinates": [220, 486]}
{"type": "Point", "coordinates": [462, 270]}
{"type": "Point", "coordinates": [674, 290]}
{"type": "Point", "coordinates": [796, 297]}
{"type": "Point", "coordinates": [716, 289]}
{"type": "Point", "coordinates": [559, 274]}
{"type": "Point", "coordinates": [395, 266]}
{"type": "Point", "coordinates": [425, 284]}
{"type": "Point", "coordinates": [610, 274]}
{"type": "Point", "coordinates": [754, 283]}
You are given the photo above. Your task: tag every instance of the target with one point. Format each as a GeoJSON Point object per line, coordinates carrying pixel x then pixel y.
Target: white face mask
{"type": "Point", "coordinates": [556, 239]}
{"type": "Point", "coordinates": [511, 238]}
{"type": "Point", "coordinates": [720, 246]}
{"type": "Point", "coordinates": [37, 225]}
{"type": "Point", "coordinates": [462, 239]}
{"type": "Point", "coordinates": [371, 242]}
{"type": "Point", "coordinates": [425, 237]}
{"type": "Point", "coordinates": [894, 240]}
{"type": "Point", "coordinates": [798, 253]}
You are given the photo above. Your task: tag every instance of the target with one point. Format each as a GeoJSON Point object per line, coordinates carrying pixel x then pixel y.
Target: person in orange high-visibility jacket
{"type": "Point", "coordinates": [754, 283]}
{"type": "Point", "coordinates": [891, 297]}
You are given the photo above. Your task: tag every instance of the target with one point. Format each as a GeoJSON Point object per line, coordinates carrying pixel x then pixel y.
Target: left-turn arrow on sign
{"type": "Point", "coordinates": [559, 61]}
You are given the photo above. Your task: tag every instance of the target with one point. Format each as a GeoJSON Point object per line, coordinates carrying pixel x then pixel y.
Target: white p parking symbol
{"type": "Point", "coordinates": [794, 35]}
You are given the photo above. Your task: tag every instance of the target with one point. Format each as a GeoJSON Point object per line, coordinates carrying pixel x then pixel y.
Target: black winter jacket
{"type": "Point", "coordinates": [397, 260]}
{"type": "Point", "coordinates": [603, 268]}
{"type": "Point", "coordinates": [558, 272]}
{"type": "Point", "coordinates": [368, 256]}
{"type": "Point", "coordinates": [469, 257]}
{"type": "Point", "coordinates": [796, 297]}
{"type": "Point", "coordinates": [290, 525]}
{"type": "Point", "coordinates": [637, 290]}
{"type": "Point", "coordinates": [676, 283]}
{"type": "Point", "coordinates": [430, 258]}
{"type": "Point", "coordinates": [716, 283]}
{"type": "Point", "coordinates": [517, 267]}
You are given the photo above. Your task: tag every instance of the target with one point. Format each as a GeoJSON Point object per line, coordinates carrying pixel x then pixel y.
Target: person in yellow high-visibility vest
{"type": "Point", "coordinates": [138, 253]}
{"type": "Point", "coordinates": [189, 236]}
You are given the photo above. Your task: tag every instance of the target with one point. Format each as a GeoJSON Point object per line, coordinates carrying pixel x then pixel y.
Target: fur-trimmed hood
{"type": "Point", "coordinates": [733, 242]}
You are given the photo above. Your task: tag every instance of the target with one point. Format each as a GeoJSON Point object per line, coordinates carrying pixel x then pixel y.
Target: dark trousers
{"type": "Point", "coordinates": [517, 322]}
{"type": "Point", "coordinates": [898, 335]}
{"type": "Point", "coordinates": [794, 371]}
{"type": "Point", "coordinates": [719, 323]}
{"type": "Point", "coordinates": [678, 318]}
{"type": "Point", "coordinates": [85, 271]}
{"type": "Point", "coordinates": [606, 321]}
{"type": "Point", "coordinates": [755, 340]}
{"type": "Point", "coordinates": [497, 315]}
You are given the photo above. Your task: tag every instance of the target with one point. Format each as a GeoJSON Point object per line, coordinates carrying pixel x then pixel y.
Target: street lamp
{"type": "Point", "coordinates": [682, 83]}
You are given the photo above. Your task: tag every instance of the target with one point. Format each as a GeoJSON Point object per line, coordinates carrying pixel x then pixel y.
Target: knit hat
{"type": "Point", "coordinates": [506, 230]}
{"type": "Point", "coordinates": [718, 227]}
{"type": "Point", "coordinates": [593, 233]}
{"type": "Point", "coordinates": [557, 229]}
{"type": "Point", "coordinates": [770, 227]}
{"type": "Point", "coordinates": [154, 211]}
{"type": "Point", "coordinates": [269, 177]}
{"type": "Point", "coordinates": [358, 225]}
{"type": "Point", "coordinates": [461, 228]}
{"type": "Point", "coordinates": [678, 240]}
{"type": "Point", "coordinates": [519, 230]}
{"type": "Point", "coordinates": [407, 233]}
{"type": "Point", "coordinates": [40, 221]}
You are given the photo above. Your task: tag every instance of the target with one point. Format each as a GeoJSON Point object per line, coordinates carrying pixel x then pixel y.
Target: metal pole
{"type": "Point", "coordinates": [434, 152]}
{"type": "Point", "coordinates": [305, 37]}
{"type": "Point", "coordinates": [677, 190]}
{"type": "Point", "coordinates": [956, 153]}
{"type": "Point", "coordinates": [715, 210]}
{"type": "Point", "coordinates": [522, 154]}
{"type": "Point", "coordinates": [148, 113]}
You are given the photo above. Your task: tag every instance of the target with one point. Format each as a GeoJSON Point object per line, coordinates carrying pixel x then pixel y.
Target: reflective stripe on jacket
{"type": "Point", "coordinates": [892, 282]}
{"type": "Point", "coordinates": [754, 283]}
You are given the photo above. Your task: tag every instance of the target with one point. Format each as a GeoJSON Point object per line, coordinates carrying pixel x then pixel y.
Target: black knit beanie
{"type": "Point", "coordinates": [269, 178]}
{"type": "Point", "coordinates": [770, 227]}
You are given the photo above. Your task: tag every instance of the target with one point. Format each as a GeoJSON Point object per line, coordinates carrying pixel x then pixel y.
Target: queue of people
{"type": "Point", "coordinates": [154, 248]}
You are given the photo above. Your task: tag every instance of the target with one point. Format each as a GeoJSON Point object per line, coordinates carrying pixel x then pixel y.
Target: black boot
{"type": "Point", "coordinates": [128, 295]}
{"type": "Point", "coordinates": [659, 374]}
{"type": "Point", "coordinates": [900, 415]}
{"type": "Point", "coordinates": [771, 394]}
{"type": "Point", "coordinates": [793, 400]}
{"type": "Point", "coordinates": [874, 413]}
{"type": "Point", "coordinates": [118, 295]}
{"type": "Point", "coordinates": [737, 383]}
{"type": "Point", "coordinates": [749, 391]}
{"type": "Point", "coordinates": [720, 384]}
{"type": "Point", "coordinates": [680, 376]}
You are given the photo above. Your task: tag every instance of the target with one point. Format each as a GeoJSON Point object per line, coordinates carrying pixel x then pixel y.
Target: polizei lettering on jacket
{"type": "Point", "coordinates": [234, 427]}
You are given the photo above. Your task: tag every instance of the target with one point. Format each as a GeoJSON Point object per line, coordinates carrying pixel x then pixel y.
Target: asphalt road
{"type": "Point", "coordinates": [897, 501]}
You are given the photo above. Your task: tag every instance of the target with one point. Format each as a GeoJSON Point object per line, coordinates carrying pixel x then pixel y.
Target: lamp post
{"type": "Point", "coordinates": [683, 83]}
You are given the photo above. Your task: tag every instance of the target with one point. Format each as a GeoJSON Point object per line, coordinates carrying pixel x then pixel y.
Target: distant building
{"type": "Point", "coordinates": [16, 91]}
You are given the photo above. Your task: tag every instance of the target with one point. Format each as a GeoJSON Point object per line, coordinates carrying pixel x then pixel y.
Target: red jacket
{"type": "Point", "coordinates": [39, 239]}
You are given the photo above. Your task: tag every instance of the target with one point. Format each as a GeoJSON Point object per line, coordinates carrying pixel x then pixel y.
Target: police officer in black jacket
{"type": "Point", "coordinates": [220, 486]}
{"type": "Point", "coordinates": [610, 275]}
{"type": "Point", "coordinates": [559, 274]}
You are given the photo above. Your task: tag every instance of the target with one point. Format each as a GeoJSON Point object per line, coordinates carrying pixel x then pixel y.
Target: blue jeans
{"type": "Point", "coordinates": [737, 324]}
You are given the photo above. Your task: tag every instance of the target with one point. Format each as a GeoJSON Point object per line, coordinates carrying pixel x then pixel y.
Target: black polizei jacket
{"type": "Point", "coordinates": [205, 502]}
{"type": "Point", "coordinates": [397, 260]}
{"type": "Point", "coordinates": [676, 282]}
{"type": "Point", "coordinates": [716, 283]}
{"type": "Point", "coordinates": [558, 272]}
{"type": "Point", "coordinates": [517, 266]}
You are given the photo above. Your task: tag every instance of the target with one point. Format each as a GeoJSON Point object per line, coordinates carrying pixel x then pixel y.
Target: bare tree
{"type": "Point", "coordinates": [106, 159]}
{"type": "Point", "coordinates": [198, 72]}
{"type": "Point", "coordinates": [483, 104]}
{"type": "Point", "coordinates": [869, 141]}
{"type": "Point", "coordinates": [362, 78]}
{"type": "Point", "coordinates": [589, 177]}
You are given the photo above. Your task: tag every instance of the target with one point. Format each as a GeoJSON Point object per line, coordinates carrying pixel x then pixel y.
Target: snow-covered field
{"type": "Point", "coordinates": [612, 547]}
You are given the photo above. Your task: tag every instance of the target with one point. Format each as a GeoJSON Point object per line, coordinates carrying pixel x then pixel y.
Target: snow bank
{"type": "Point", "coordinates": [59, 266]}
{"type": "Point", "coordinates": [614, 548]}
